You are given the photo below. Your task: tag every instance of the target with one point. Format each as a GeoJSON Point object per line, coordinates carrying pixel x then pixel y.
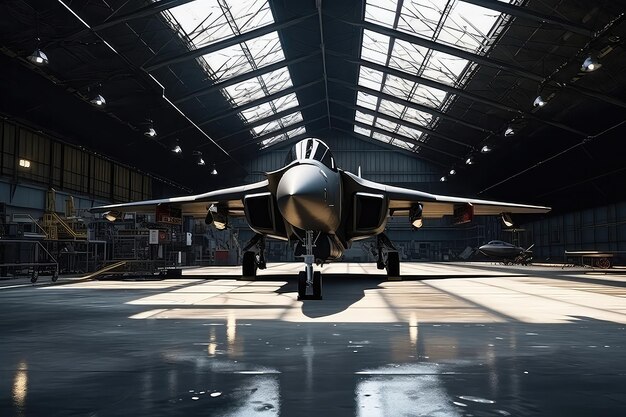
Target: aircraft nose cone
{"type": "Point", "coordinates": [301, 197]}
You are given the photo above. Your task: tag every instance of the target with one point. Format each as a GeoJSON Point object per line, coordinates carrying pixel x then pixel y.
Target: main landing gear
{"type": "Point", "coordinates": [393, 259]}
{"type": "Point", "coordinates": [309, 282]}
{"type": "Point", "coordinates": [251, 260]}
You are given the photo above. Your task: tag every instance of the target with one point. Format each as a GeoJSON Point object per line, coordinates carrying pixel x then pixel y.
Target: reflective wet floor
{"type": "Point", "coordinates": [449, 340]}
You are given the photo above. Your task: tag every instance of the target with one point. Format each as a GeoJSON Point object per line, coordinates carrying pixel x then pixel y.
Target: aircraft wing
{"type": "Point", "coordinates": [434, 206]}
{"type": "Point", "coordinates": [194, 205]}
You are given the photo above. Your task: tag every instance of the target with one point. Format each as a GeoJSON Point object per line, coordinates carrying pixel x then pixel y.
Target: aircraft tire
{"type": "Point", "coordinates": [248, 265]}
{"type": "Point", "coordinates": [317, 286]}
{"type": "Point", "coordinates": [302, 285]}
{"type": "Point", "coordinates": [393, 265]}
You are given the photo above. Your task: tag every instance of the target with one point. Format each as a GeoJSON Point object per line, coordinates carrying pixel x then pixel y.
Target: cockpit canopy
{"type": "Point", "coordinates": [311, 149]}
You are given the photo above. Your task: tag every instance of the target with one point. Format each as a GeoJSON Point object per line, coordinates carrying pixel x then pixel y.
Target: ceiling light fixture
{"type": "Point", "coordinates": [98, 101]}
{"type": "Point", "coordinates": [443, 179]}
{"type": "Point", "coordinates": [469, 161]}
{"type": "Point", "coordinates": [509, 132]}
{"type": "Point", "coordinates": [590, 64]}
{"type": "Point", "coordinates": [539, 102]}
{"type": "Point", "coordinates": [176, 147]}
{"type": "Point", "coordinates": [452, 172]}
{"type": "Point", "coordinates": [149, 132]}
{"type": "Point", "coordinates": [199, 161]}
{"type": "Point", "coordinates": [38, 58]}
{"type": "Point", "coordinates": [485, 149]}
{"type": "Point", "coordinates": [214, 171]}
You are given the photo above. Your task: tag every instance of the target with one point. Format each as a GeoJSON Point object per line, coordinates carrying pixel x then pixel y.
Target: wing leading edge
{"type": "Point", "coordinates": [435, 206]}
{"type": "Point", "coordinates": [194, 205]}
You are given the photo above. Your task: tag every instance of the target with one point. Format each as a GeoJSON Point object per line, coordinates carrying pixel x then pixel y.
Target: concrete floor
{"type": "Point", "coordinates": [449, 340]}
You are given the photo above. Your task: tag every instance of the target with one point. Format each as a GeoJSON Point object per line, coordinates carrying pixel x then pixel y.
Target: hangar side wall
{"type": "Point", "coordinates": [600, 229]}
{"type": "Point", "coordinates": [69, 169]}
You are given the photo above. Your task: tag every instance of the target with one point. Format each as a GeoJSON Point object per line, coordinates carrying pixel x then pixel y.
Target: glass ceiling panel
{"type": "Point", "coordinates": [452, 22]}
{"type": "Point", "coordinates": [405, 113]}
{"type": "Point", "coordinates": [407, 57]}
{"type": "Point", "coordinates": [205, 22]}
{"type": "Point", "coordinates": [267, 109]}
{"type": "Point", "coordinates": [370, 78]}
{"type": "Point", "coordinates": [375, 47]}
{"type": "Point", "coordinates": [364, 118]}
{"type": "Point", "coordinates": [279, 138]}
{"type": "Point", "coordinates": [277, 124]}
{"type": "Point", "coordinates": [381, 11]}
{"type": "Point", "coordinates": [362, 131]}
{"type": "Point", "coordinates": [258, 87]}
{"type": "Point", "coordinates": [444, 68]}
{"type": "Point", "coordinates": [366, 100]}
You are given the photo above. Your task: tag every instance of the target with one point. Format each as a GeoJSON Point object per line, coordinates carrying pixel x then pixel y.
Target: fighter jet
{"type": "Point", "coordinates": [507, 251]}
{"type": "Point", "coordinates": [323, 209]}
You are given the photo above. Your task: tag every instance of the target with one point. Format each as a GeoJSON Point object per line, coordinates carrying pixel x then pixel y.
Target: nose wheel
{"type": "Point", "coordinates": [309, 281]}
{"type": "Point", "coordinates": [312, 290]}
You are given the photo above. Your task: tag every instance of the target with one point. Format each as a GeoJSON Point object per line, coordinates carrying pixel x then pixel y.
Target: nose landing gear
{"type": "Point", "coordinates": [309, 282]}
{"type": "Point", "coordinates": [393, 259]}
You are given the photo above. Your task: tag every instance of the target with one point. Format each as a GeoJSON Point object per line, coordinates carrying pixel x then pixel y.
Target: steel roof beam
{"type": "Point", "coordinates": [406, 123]}
{"type": "Point", "coordinates": [527, 13]}
{"type": "Point", "coordinates": [397, 136]}
{"type": "Point", "coordinates": [244, 77]}
{"type": "Point", "coordinates": [244, 37]}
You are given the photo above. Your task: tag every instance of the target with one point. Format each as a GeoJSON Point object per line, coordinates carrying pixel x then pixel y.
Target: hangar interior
{"type": "Point", "coordinates": [408, 92]}
{"type": "Point", "coordinates": [115, 101]}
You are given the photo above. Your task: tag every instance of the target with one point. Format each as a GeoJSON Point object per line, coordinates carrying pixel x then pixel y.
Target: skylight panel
{"type": "Point", "coordinates": [245, 57]}
{"type": "Point", "coordinates": [366, 100]}
{"type": "Point", "coordinates": [250, 14]}
{"type": "Point", "coordinates": [406, 56]}
{"type": "Point", "coordinates": [277, 124]}
{"type": "Point", "coordinates": [206, 22]}
{"type": "Point", "coordinates": [257, 112]}
{"type": "Point", "coordinates": [269, 108]}
{"type": "Point", "coordinates": [403, 144]}
{"type": "Point", "coordinates": [370, 78]}
{"type": "Point", "coordinates": [228, 62]}
{"type": "Point", "coordinates": [362, 131]}
{"type": "Point", "coordinates": [405, 113]}
{"type": "Point", "coordinates": [382, 12]}
{"type": "Point", "coordinates": [468, 26]}
{"type": "Point", "coordinates": [398, 87]}
{"type": "Point", "coordinates": [375, 47]}
{"type": "Point", "coordinates": [285, 102]}
{"type": "Point", "coordinates": [266, 49]}
{"type": "Point", "coordinates": [279, 138]}
{"type": "Point", "coordinates": [253, 88]}
{"type": "Point", "coordinates": [420, 17]}
{"type": "Point", "coordinates": [428, 96]}
{"type": "Point", "coordinates": [408, 132]}
{"type": "Point", "coordinates": [444, 68]}
{"type": "Point", "coordinates": [364, 118]}
{"type": "Point", "coordinates": [277, 80]}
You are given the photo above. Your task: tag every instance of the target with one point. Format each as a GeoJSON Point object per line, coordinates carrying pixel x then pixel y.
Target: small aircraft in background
{"type": "Point", "coordinates": [507, 252]}
{"type": "Point", "coordinates": [323, 209]}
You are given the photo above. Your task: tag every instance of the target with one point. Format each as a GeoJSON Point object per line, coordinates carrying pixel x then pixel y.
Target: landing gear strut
{"type": "Point", "coordinates": [251, 260]}
{"type": "Point", "coordinates": [309, 282]}
{"type": "Point", "coordinates": [393, 259]}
